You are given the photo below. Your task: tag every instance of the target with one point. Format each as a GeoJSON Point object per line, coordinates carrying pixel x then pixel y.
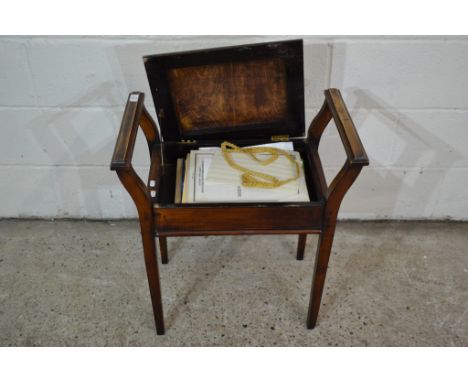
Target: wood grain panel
{"type": "Point", "coordinates": [238, 218]}
{"type": "Point", "coordinates": [229, 94]}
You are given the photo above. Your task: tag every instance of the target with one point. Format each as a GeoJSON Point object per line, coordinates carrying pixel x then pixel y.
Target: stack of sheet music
{"type": "Point", "coordinates": [204, 176]}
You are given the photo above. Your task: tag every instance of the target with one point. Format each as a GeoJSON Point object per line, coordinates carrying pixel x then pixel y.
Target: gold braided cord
{"type": "Point", "coordinates": [257, 179]}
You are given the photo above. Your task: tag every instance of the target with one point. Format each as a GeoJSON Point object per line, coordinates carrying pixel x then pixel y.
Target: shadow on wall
{"type": "Point", "coordinates": [409, 165]}
{"type": "Point", "coordinates": [402, 179]}
{"type": "Point", "coordinates": [81, 181]}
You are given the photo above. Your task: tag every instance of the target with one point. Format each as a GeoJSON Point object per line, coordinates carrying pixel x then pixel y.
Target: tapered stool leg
{"type": "Point", "coordinates": [301, 246]}
{"type": "Point", "coordinates": [163, 248]}
{"type": "Point", "coordinates": [152, 272]}
{"type": "Point", "coordinates": [320, 272]}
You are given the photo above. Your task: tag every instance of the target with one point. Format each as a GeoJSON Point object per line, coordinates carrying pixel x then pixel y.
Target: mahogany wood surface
{"type": "Point", "coordinates": [301, 246]}
{"type": "Point", "coordinates": [121, 162]}
{"type": "Point", "coordinates": [233, 218]}
{"type": "Point", "coordinates": [356, 159]}
{"type": "Point", "coordinates": [163, 249]}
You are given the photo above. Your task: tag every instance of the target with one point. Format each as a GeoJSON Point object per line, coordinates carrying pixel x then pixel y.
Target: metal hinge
{"type": "Point", "coordinates": [280, 138]}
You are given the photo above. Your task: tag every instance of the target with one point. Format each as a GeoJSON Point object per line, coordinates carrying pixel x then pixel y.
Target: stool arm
{"type": "Point", "coordinates": [334, 107]}
{"type": "Point", "coordinates": [135, 115]}
{"type": "Point", "coordinates": [348, 133]}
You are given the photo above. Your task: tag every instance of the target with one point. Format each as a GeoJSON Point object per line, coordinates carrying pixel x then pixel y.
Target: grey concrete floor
{"type": "Point", "coordinates": [81, 283]}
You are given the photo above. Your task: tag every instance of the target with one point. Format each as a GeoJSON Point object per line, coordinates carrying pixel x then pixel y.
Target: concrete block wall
{"type": "Point", "coordinates": [61, 100]}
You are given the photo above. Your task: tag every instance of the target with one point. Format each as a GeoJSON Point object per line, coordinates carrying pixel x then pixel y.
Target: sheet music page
{"type": "Point", "coordinates": [200, 163]}
{"type": "Point", "coordinates": [282, 168]}
{"type": "Point", "coordinates": [228, 187]}
{"type": "Point", "coordinates": [209, 178]}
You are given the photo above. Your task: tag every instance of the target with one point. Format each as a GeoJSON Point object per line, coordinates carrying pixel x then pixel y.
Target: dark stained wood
{"type": "Point", "coordinates": [139, 194]}
{"type": "Point", "coordinates": [163, 249]}
{"type": "Point", "coordinates": [301, 246]}
{"type": "Point", "coordinates": [356, 159]}
{"type": "Point", "coordinates": [121, 162]}
{"type": "Point", "coordinates": [345, 126]}
{"type": "Point", "coordinates": [319, 123]}
{"type": "Point", "coordinates": [192, 219]}
{"type": "Point", "coordinates": [340, 185]}
{"type": "Point", "coordinates": [123, 151]}
{"type": "Point", "coordinates": [239, 85]}
{"type": "Point", "coordinates": [316, 171]}
{"type": "Point", "coordinates": [335, 107]}
{"type": "Point", "coordinates": [239, 232]}
{"type": "Point", "coordinates": [148, 126]}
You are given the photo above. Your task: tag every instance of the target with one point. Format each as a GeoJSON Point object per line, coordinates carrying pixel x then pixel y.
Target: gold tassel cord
{"type": "Point", "coordinates": [257, 179]}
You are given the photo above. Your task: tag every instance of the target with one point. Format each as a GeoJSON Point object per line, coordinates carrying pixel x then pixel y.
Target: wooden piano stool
{"type": "Point", "coordinates": [248, 95]}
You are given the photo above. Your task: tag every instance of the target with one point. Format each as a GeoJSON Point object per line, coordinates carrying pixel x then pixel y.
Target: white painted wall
{"type": "Point", "coordinates": [61, 100]}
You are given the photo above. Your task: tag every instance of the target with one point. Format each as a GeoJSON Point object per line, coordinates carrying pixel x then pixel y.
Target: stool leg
{"type": "Point", "coordinates": [301, 246]}
{"type": "Point", "coordinates": [152, 272]}
{"type": "Point", "coordinates": [163, 248]}
{"type": "Point", "coordinates": [320, 272]}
